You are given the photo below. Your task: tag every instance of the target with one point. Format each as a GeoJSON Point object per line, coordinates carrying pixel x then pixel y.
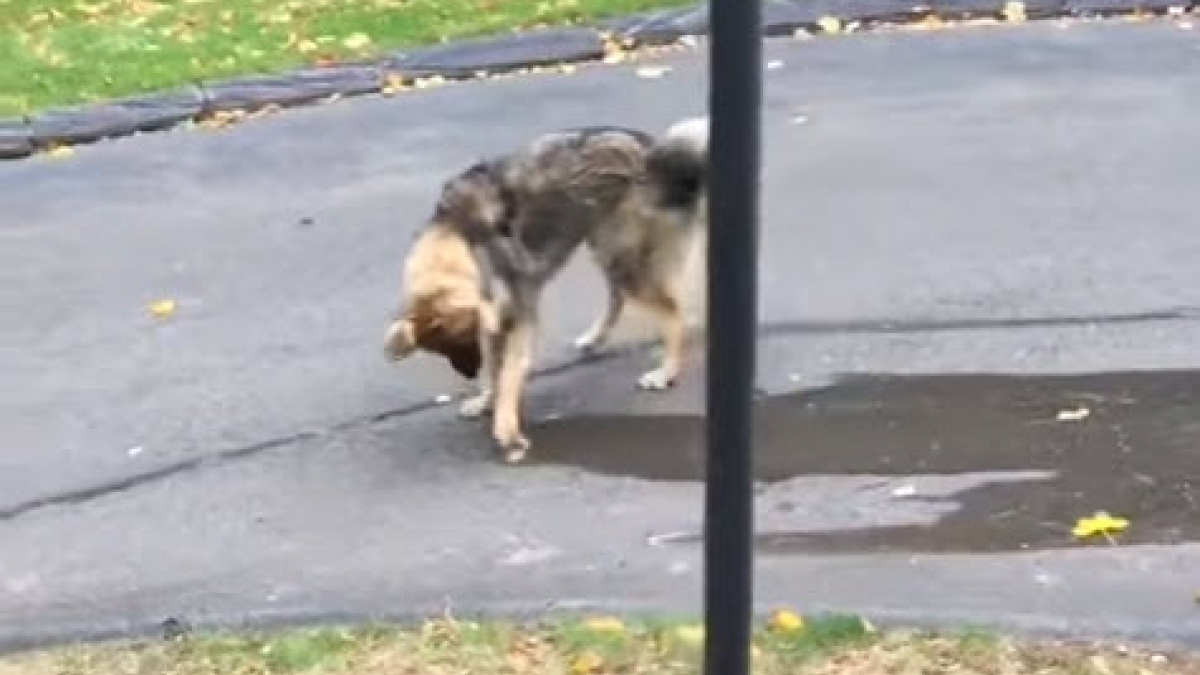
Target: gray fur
{"type": "Point", "coordinates": [635, 200]}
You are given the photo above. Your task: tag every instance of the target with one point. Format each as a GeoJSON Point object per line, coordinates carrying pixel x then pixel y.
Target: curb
{"type": "Point", "coordinates": [488, 56]}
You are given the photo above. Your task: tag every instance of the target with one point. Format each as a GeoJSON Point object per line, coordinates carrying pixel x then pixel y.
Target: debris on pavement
{"type": "Point", "coordinates": [1100, 524]}
{"type": "Point", "coordinates": [1073, 414]}
{"type": "Point", "coordinates": [163, 309]}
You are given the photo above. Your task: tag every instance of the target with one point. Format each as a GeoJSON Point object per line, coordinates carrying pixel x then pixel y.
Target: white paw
{"type": "Point", "coordinates": [588, 342]}
{"type": "Point", "coordinates": [515, 449]}
{"type": "Point", "coordinates": [656, 380]}
{"type": "Point", "coordinates": [476, 406]}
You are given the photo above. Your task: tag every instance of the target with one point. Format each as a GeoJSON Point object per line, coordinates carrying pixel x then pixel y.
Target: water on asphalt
{"type": "Point", "coordinates": [1127, 443]}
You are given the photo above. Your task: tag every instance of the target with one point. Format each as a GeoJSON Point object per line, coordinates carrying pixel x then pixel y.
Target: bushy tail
{"type": "Point", "coordinates": [678, 163]}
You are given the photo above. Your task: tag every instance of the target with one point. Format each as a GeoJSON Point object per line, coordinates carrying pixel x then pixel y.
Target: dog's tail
{"type": "Point", "coordinates": [678, 163]}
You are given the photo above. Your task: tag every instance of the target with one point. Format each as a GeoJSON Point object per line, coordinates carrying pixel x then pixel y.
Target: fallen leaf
{"type": "Point", "coordinates": [604, 624]}
{"type": "Point", "coordinates": [691, 636]}
{"type": "Point", "coordinates": [1014, 11]}
{"type": "Point", "coordinates": [652, 72]}
{"type": "Point", "coordinates": [393, 83]}
{"type": "Point", "coordinates": [1099, 524]}
{"type": "Point", "coordinates": [357, 41]}
{"type": "Point", "coordinates": [931, 22]}
{"type": "Point", "coordinates": [427, 82]}
{"type": "Point", "coordinates": [785, 621]}
{"type": "Point", "coordinates": [1073, 414]}
{"type": "Point", "coordinates": [60, 151]}
{"type": "Point", "coordinates": [585, 663]}
{"type": "Point", "coordinates": [163, 308]}
{"type": "Point", "coordinates": [306, 46]}
{"type": "Point", "coordinates": [830, 24]}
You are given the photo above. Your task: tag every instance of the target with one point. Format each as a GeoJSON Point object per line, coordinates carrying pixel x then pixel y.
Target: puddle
{"type": "Point", "coordinates": [1128, 443]}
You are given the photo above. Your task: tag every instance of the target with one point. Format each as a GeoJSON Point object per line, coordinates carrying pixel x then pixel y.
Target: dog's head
{"type": "Point", "coordinates": [442, 327]}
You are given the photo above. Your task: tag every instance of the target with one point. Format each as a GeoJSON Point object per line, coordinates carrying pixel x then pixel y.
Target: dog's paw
{"type": "Point", "coordinates": [475, 407]}
{"type": "Point", "coordinates": [515, 449]}
{"type": "Point", "coordinates": [656, 380]}
{"type": "Point", "coordinates": [589, 342]}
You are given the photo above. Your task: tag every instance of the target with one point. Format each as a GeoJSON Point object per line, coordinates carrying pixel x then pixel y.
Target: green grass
{"type": "Point", "coordinates": [829, 645]}
{"type": "Point", "coordinates": [66, 52]}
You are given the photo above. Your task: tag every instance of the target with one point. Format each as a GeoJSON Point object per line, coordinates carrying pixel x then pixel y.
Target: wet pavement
{"type": "Point", "coordinates": [937, 205]}
{"type": "Point", "coordinates": [1126, 443]}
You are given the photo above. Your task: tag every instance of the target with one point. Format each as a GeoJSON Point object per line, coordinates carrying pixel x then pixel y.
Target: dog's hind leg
{"type": "Point", "coordinates": [665, 304]}
{"type": "Point", "coordinates": [597, 335]}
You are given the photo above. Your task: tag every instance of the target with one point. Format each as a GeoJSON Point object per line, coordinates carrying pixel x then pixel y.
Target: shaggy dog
{"type": "Point", "coordinates": [504, 227]}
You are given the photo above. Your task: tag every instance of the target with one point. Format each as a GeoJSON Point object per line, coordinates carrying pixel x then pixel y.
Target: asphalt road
{"type": "Point", "coordinates": [985, 200]}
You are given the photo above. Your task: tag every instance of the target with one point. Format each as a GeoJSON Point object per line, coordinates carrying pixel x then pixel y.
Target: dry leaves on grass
{"type": "Point", "coordinates": [785, 621]}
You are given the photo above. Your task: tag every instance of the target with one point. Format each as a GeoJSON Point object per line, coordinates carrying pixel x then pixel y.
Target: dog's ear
{"type": "Point", "coordinates": [454, 335]}
{"type": "Point", "coordinates": [401, 339]}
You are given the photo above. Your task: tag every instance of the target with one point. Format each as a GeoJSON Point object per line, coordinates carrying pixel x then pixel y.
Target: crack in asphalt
{"type": "Point", "coordinates": [874, 326]}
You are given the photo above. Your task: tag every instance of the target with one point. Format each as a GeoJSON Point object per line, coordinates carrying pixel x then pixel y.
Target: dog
{"type": "Point", "coordinates": [503, 228]}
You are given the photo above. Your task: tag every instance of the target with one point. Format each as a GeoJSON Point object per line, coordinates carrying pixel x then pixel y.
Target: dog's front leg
{"type": "Point", "coordinates": [514, 351]}
{"type": "Point", "coordinates": [489, 348]}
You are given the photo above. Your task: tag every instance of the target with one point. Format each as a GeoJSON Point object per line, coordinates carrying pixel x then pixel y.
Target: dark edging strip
{"type": "Point", "coordinates": [465, 59]}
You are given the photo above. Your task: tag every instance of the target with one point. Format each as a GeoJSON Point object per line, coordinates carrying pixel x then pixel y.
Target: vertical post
{"type": "Point", "coordinates": [735, 96]}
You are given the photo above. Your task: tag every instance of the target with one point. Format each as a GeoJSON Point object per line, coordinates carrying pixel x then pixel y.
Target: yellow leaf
{"type": "Point", "coordinates": [393, 83]}
{"type": "Point", "coordinates": [1099, 524]}
{"type": "Point", "coordinates": [60, 151]}
{"type": "Point", "coordinates": [931, 22]}
{"type": "Point", "coordinates": [786, 621]}
{"type": "Point", "coordinates": [604, 624]}
{"type": "Point", "coordinates": [357, 41]}
{"type": "Point", "coordinates": [585, 663]}
{"type": "Point", "coordinates": [691, 636]}
{"type": "Point", "coordinates": [1014, 11]}
{"type": "Point", "coordinates": [306, 46]}
{"type": "Point", "coordinates": [830, 24]}
{"type": "Point", "coordinates": [163, 308]}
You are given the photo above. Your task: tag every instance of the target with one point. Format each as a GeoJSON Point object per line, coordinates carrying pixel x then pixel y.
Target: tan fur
{"type": "Point", "coordinates": [442, 302]}
{"type": "Point", "coordinates": [637, 203]}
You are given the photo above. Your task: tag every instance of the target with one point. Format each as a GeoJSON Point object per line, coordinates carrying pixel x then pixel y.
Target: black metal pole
{"type": "Point", "coordinates": [736, 90]}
